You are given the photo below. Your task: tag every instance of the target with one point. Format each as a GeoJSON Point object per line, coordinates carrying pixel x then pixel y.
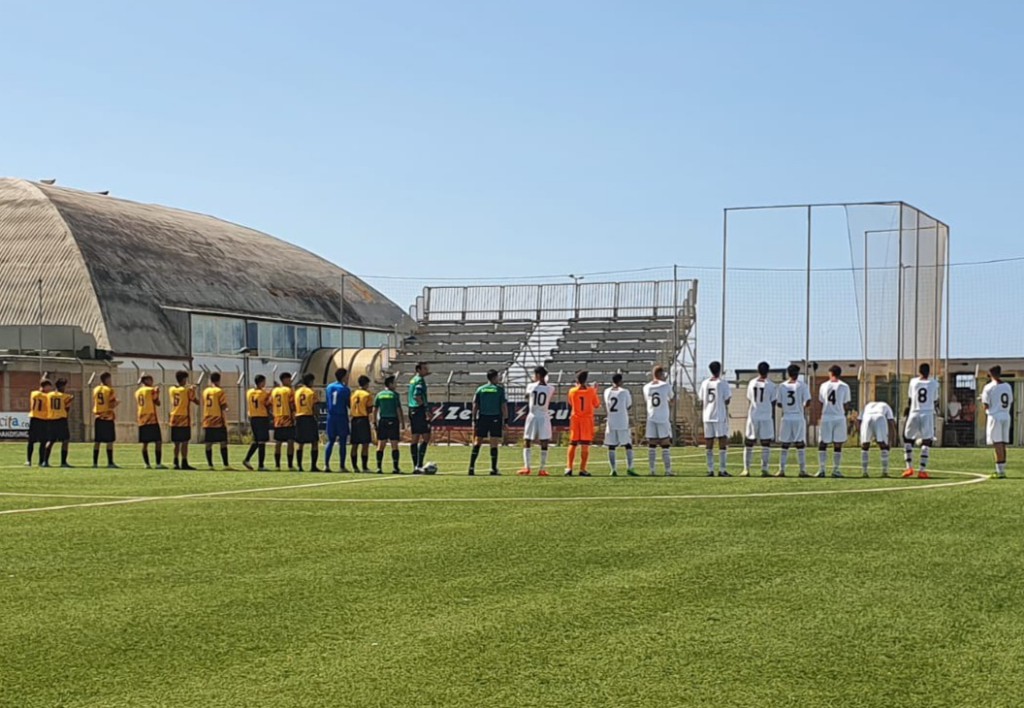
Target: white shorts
{"type": "Point", "coordinates": [538, 427]}
{"type": "Point", "coordinates": [760, 429]}
{"type": "Point", "coordinates": [997, 430]}
{"type": "Point", "coordinates": [920, 426]}
{"type": "Point", "coordinates": [618, 438]}
{"type": "Point", "coordinates": [659, 431]}
{"type": "Point", "coordinates": [874, 427]}
{"type": "Point", "coordinates": [832, 430]}
{"type": "Point", "coordinates": [793, 430]}
{"type": "Point", "coordinates": [716, 430]}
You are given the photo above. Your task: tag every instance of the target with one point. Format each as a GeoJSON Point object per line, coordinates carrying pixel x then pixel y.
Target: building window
{"type": "Point", "coordinates": [252, 337]}
{"type": "Point", "coordinates": [284, 341]}
{"type": "Point", "coordinates": [230, 336]}
{"type": "Point", "coordinates": [376, 340]}
{"type": "Point", "coordinates": [353, 338]}
{"type": "Point", "coordinates": [306, 340]}
{"type": "Point", "coordinates": [217, 335]}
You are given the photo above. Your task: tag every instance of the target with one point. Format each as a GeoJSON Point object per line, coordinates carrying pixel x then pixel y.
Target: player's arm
{"type": "Point", "coordinates": [223, 403]}
{"type": "Point", "coordinates": [892, 429]}
{"type": "Point", "coordinates": [476, 406]}
{"type": "Point", "coordinates": [156, 396]}
{"type": "Point", "coordinates": [401, 415]}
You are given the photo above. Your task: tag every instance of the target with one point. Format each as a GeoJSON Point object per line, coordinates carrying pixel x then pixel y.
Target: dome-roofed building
{"type": "Point", "coordinates": [152, 287]}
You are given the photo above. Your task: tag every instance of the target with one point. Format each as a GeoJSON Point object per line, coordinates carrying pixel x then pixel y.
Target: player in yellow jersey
{"type": "Point", "coordinates": [104, 406]}
{"type": "Point", "coordinates": [361, 406]}
{"type": "Point", "coordinates": [147, 400]}
{"type": "Point", "coordinates": [215, 425]}
{"type": "Point", "coordinates": [39, 422]}
{"type": "Point", "coordinates": [283, 401]}
{"type": "Point", "coordinates": [307, 428]}
{"type": "Point", "coordinates": [183, 398]}
{"type": "Point", "coordinates": [60, 404]}
{"type": "Point", "coordinates": [257, 399]}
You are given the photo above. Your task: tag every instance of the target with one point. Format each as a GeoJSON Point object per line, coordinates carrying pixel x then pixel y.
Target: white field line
{"type": "Point", "coordinates": [62, 496]}
{"type": "Point", "coordinates": [975, 478]}
{"type": "Point", "coordinates": [197, 495]}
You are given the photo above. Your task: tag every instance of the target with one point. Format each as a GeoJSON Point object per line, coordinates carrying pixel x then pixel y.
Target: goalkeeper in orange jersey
{"type": "Point", "coordinates": [583, 404]}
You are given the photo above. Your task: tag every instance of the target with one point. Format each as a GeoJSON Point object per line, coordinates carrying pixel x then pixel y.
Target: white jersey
{"type": "Point", "coordinates": [658, 395]}
{"type": "Point", "coordinates": [761, 395]}
{"type": "Point", "coordinates": [618, 401]}
{"type": "Point", "coordinates": [834, 395]}
{"type": "Point", "coordinates": [924, 393]}
{"type": "Point", "coordinates": [878, 409]}
{"type": "Point", "coordinates": [793, 396]}
{"type": "Point", "coordinates": [538, 396]}
{"type": "Point", "coordinates": [714, 396]}
{"type": "Point", "coordinates": [999, 399]}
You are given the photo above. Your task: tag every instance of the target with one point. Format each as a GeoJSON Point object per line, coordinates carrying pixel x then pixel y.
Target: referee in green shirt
{"type": "Point", "coordinates": [489, 411]}
{"type": "Point", "coordinates": [419, 417]}
{"type": "Point", "coordinates": [390, 423]}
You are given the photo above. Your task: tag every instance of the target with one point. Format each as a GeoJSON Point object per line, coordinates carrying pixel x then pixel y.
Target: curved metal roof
{"type": "Point", "coordinates": [124, 271]}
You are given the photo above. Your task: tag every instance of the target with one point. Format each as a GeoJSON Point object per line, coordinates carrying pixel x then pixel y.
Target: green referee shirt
{"type": "Point", "coordinates": [387, 404]}
{"type": "Point", "coordinates": [490, 399]}
{"type": "Point", "coordinates": [417, 387]}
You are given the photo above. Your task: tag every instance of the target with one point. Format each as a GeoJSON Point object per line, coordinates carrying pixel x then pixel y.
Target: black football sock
{"type": "Point", "coordinates": [261, 455]}
{"type": "Point", "coordinates": [314, 455]}
{"type": "Point", "coordinates": [291, 459]}
{"type": "Point", "coordinates": [494, 458]}
{"type": "Point", "coordinates": [145, 457]}
{"type": "Point", "coordinates": [63, 455]}
{"type": "Point", "coordinates": [396, 457]}
{"type": "Point", "coordinates": [277, 459]}
{"type": "Point", "coordinates": [366, 462]}
{"type": "Point", "coordinates": [380, 459]}
{"type": "Point", "coordinates": [110, 456]}
{"type": "Point", "coordinates": [31, 452]}
{"type": "Point", "coordinates": [159, 456]}
{"type": "Point", "coordinates": [423, 454]}
{"type": "Point", "coordinates": [95, 456]}
{"type": "Point", "coordinates": [472, 457]}
{"type": "Point", "coordinates": [251, 452]}
{"type": "Point", "coordinates": [414, 453]}
{"type": "Point", "coordinates": [224, 456]}
{"type": "Point", "coordinates": [209, 456]}
{"type": "Point", "coordinates": [298, 456]}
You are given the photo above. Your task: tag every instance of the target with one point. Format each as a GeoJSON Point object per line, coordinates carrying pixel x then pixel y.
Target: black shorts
{"type": "Point", "coordinates": [150, 433]}
{"type": "Point", "coordinates": [488, 426]}
{"type": "Point", "coordinates": [387, 430]}
{"type": "Point", "coordinates": [361, 434]}
{"type": "Point", "coordinates": [59, 430]}
{"type": "Point", "coordinates": [284, 434]}
{"type": "Point", "coordinates": [181, 434]}
{"type": "Point", "coordinates": [105, 431]}
{"type": "Point", "coordinates": [215, 435]}
{"type": "Point", "coordinates": [38, 430]}
{"type": "Point", "coordinates": [306, 430]}
{"type": "Point", "coordinates": [260, 429]}
{"type": "Point", "coordinates": [419, 424]}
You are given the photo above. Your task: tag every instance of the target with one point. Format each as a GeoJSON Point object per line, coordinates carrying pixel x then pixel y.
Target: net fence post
{"type": "Point", "coordinates": [807, 308]}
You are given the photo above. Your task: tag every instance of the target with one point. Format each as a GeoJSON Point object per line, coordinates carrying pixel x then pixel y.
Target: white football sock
{"type": "Point", "coordinates": [766, 456]}
{"type": "Point", "coordinates": [748, 456]}
{"type": "Point", "coordinates": [723, 459]}
{"type": "Point", "coordinates": [652, 457]}
{"type": "Point", "coordinates": [801, 456]}
{"type": "Point", "coordinates": [527, 456]}
{"type": "Point", "coordinates": [783, 458]}
{"type": "Point", "coordinates": [837, 459]}
{"type": "Point", "coordinates": [908, 454]}
{"type": "Point", "coordinates": [925, 453]}
{"type": "Point", "coordinates": [885, 461]}
{"type": "Point", "coordinates": [666, 458]}
{"type": "Point", "coordinates": [543, 459]}
{"type": "Point", "coordinates": [611, 458]}
{"type": "Point", "coordinates": [864, 460]}
{"type": "Point", "coordinates": [711, 459]}
{"type": "Point", "coordinates": [822, 459]}
{"type": "Point", "coordinates": [629, 458]}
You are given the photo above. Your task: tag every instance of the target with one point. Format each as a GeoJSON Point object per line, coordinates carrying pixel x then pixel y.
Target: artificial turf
{"type": "Point", "coordinates": [454, 591]}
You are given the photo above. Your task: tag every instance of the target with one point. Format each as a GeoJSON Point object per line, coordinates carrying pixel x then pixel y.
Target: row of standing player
{"type": "Point", "coordinates": [878, 422]}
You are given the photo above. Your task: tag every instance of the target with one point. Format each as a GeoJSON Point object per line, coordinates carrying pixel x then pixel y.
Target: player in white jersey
{"type": "Point", "coordinates": [760, 419]}
{"type": "Point", "coordinates": [658, 396]}
{"type": "Point", "coordinates": [997, 397]}
{"type": "Point", "coordinates": [793, 398]}
{"type": "Point", "coordinates": [924, 399]}
{"type": "Point", "coordinates": [715, 395]}
{"type": "Point", "coordinates": [834, 396]}
{"type": "Point", "coordinates": [878, 423]}
{"type": "Point", "coordinates": [538, 421]}
{"type": "Point", "coordinates": [618, 401]}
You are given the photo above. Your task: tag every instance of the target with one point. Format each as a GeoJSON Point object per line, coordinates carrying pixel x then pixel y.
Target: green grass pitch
{"type": "Point", "coordinates": [219, 589]}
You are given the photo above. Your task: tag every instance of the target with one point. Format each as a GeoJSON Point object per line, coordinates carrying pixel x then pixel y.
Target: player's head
{"type": "Point", "coordinates": [423, 368]}
{"type": "Point", "coordinates": [308, 379]}
{"type": "Point", "coordinates": [616, 379]}
{"type": "Point", "coordinates": [996, 372]}
{"type": "Point", "coordinates": [389, 382]}
{"type": "Point", "coordinates": [581, 377]}
{"type": "Point", "coordinates": [715, 368]}
{"type": "Point", "coordinates": [260, 380]}
{"type": "Point", "coordinates": [215, 378]}
{"type": "Point", "coordinates": [286, 379]}
{"type": "Point", "coordinates": [925, 369]}
{"type": "Point", "coordinates": [181, 377]}
{"type": "Point", "coordinates": [146, 380]}
{"type": "Point", "coordinates": [835, 371]}
{"type": "Point", "coordinates": [763, 369]}
{"type": "Point", "coordinates": [62, 384]}
{"type": "Point", "coordinates": [793, 371]}
{"type": "Point", "coordinates": [540, 374]}
{"type": "Point", "coordinates": [105, 378]}
{"type": "Point", "coordinates": [340, 375]}
{"type": "Point", "coordinates": [492, 375]}
{"type": "Point", "coordinates": [45, 385]}
{"type": "Point", "coordinates": [364, 381]}
{"type": "Point", "coordinates": [659, 373]}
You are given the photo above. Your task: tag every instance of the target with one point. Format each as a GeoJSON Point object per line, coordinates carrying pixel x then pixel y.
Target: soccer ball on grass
{"type": "Point", "coordinates": [430, 468]}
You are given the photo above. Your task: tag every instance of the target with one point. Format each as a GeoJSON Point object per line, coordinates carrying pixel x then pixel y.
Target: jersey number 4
{"type": "Point", "coordinates": [832, 397]}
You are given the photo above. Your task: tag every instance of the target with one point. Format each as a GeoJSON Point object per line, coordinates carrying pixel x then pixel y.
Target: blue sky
{"type": "Point", "coordinates": [485, 138]}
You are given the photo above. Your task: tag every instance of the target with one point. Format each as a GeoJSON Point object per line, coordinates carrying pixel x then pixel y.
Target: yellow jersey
{"type": "Point", "coordinates": [215, 402]}
{"type": "Point", "coordinates": [361, 403]}
{"type": "Point", "coordinates": [60, 404]}
{"type": "Point", "coordinates": [40, 405]}
{"type": "Point", "coordinates": [182, 400]}
{"type": "Point", "coordinates": [305, 402]}
{"type": "Point", "coordinates": [146, 398]}
{"type": "Point", "coordinates": [259, 402]}
{"type": "Point", "coordinates": [284, 407]}
{"type": "Point", "coordinates": [103, 402]}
